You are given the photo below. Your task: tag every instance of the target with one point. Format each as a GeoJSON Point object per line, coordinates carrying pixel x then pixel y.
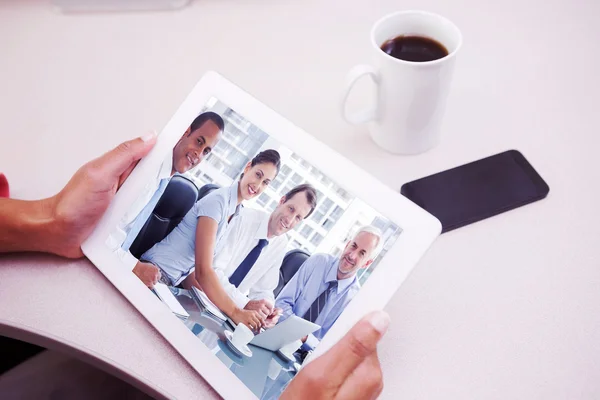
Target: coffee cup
{"type": "Point", "coordinates": [242, 335]}
{"type": "Point", "coordinates": [411, 91]}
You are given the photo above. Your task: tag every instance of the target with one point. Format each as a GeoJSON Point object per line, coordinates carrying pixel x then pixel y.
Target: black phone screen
{"type": "Point", "coordinates": [478, 190]}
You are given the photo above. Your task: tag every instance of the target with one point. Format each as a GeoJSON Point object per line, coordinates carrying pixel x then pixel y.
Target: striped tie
{"type": "Point", "coordinates": [317, 306]}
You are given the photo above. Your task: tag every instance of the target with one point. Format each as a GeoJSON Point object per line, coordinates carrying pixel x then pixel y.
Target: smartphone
{"type": "Point", "coordinates": [478, 190]}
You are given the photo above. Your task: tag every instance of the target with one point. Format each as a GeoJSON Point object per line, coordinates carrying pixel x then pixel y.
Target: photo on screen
{"type": "Point", "coordinates": [253, 248]}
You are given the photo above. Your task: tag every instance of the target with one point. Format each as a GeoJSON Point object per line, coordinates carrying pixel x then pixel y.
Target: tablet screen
{"type": "Point", "coordinates": [281, 231]}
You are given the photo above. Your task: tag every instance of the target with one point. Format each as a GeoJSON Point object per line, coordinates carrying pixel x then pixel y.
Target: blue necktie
{"type": "Point", "coordinates": [240, 273]}
{"type": "Point", "coordinates": [140, 220]}
{"type": "Point", "coordinates": [317, 306]}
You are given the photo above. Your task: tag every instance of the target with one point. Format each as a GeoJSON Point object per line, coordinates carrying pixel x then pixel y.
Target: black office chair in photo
{"type": "Point", "coordinates": [179, 197]}
{"type": "Point", "coordinates": [291, 263]}
{"type": "Point", "coordinates": [206, 189]}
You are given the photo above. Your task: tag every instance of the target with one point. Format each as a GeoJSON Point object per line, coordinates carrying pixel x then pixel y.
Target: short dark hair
{"type": "Point", "coordinates": [207, 116]}
{"type": "Point", "coordinates": [269, 156]}
{"type": "Point", "coordinates": [311, 195]}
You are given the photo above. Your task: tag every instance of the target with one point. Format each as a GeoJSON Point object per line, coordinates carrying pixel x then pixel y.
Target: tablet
{"type": "Point", "coordinates": [348, 199]}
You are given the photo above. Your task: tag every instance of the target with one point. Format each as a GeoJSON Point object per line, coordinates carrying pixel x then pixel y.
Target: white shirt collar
{"type": "Point", "coordinates": [234, 208]}
{"type": "Point", "coordinates": [166, 167]}
{"type": "Point", "coordinates": [344, 283]}
{"type": "Point", "coordinates": [263, 228]}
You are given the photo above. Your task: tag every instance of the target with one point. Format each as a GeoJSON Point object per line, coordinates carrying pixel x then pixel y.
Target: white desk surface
{"type": "Point", "coordinates": [508, 308]}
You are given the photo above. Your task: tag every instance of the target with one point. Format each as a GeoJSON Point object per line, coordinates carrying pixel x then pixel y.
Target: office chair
{"type": "Point", "coordinates": [179, 197]}
{"type": "Point", "coordinates": [292, 262]}
{"type": "Point", "coordinates": [206, 189]}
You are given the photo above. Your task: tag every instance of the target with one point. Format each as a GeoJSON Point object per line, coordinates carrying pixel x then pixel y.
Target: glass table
{"type": "Point", "coordinates": [266, 373]}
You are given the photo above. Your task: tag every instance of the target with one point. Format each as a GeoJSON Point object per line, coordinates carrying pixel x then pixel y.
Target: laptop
{"type": "Point", "coordinates": [286, 332]}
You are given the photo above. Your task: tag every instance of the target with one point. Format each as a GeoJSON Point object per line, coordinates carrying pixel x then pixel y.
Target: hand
{"type": "Point", "coordinates": [272, 319]}
{"type": "Point", "coordinates": [349, 370]}
{"type": "Point", "coordinates": [250, 318]}
{"type": "Point", "coordinates": [263, 306]}
{"type": "Point", "coordinates": [304, 339]}
{"type": "Point", "coordinates": [148, 273]}
{"type": "Point", "coordinates": [77, 208]}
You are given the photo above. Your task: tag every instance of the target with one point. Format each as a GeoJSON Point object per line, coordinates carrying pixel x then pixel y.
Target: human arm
{"type": "Point", "coordinates": [291, 292]}
{"type": "Point", "coordinates": [29, 226]}
{"type": "Point", "coordinates": [273, 318]}
{"type": "Point", "coordinates": [148, 273]}
{"type": "Point", "coordinates": [222, 260]}
{"type": "Point", "coordinates": [60, 224]}
{"type": "Point", "coordinates": [205, 275]}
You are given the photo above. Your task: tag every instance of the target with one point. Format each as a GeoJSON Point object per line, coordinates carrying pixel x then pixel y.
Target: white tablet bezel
{"type": "Point", "coordinates": [419, 229]}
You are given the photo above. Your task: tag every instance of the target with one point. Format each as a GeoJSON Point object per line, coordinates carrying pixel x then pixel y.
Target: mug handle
{"type": "Point", "coordinates": [353, 76]}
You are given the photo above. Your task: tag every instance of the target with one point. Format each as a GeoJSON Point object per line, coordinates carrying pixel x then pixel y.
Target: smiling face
{"type": "Point", "coordinates": [256, 179]}
{"type": "Point", "coordinates": [357, 254]}
{"type": "Point", "coordinates": [194, 146]}
{"type": "Point", "coordinates": [288, 214]}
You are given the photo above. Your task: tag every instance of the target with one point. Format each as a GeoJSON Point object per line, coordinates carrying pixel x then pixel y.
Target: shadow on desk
{"type": "Point", "coordinates": [13, 352]}
{"type": "Point", "coordinates": [49, 374]}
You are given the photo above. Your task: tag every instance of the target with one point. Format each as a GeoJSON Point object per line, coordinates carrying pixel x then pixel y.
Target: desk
{"type": "Point", "coordinates": [265, 373]}
{"type": "Point", "coordinates": [508, 308]}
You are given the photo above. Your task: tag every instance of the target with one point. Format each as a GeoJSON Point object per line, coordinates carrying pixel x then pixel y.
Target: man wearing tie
{"type": "Point", "coordinates": [324, 284]}
{"type": "Point", "coordinates": [196, 142]}
{"type": "Point", "coordinates": [248, 263]}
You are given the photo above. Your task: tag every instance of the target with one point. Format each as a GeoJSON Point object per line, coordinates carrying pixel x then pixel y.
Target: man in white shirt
{"type": "Point", "coordinates": [196, 142]}
{"type": "Point", "coordinates": [248, 263]}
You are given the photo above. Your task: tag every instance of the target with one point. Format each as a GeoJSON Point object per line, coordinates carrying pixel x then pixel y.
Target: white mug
{"type": "Point", "coordinates": [411, 96]}
{"type": "Point", "coordinates": [241, 336]}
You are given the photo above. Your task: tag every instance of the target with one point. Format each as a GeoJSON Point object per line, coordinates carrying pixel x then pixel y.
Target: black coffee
{"type": "Point", "coordinates": [414, 48]}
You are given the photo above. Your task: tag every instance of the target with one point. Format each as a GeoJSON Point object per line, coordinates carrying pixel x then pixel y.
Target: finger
{"type": "Point", "coordinates": [276, 312]}
{"type": "Point", "coordinates": [267, 309]}
{"type": "Point", "coordinates": [268, 306]}
{"type": "Point", "coordinates": [365, 382]}
{"type": "Point", "coordinates": [360, 342]}
{"type": "Point", "coordinates": [120, 159]}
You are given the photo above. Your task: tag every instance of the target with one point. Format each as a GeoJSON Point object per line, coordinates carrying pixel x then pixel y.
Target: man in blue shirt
{"type": "Point", "coordinates": [324, 284]}
{"type": "Point", "coordinates": [196, 142]}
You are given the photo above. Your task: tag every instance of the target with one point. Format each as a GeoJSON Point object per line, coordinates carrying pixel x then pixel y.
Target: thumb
{"type": "Point", "coordinates": [122, 157]}
{"type": "Point", "coordinates": [360, 342]}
